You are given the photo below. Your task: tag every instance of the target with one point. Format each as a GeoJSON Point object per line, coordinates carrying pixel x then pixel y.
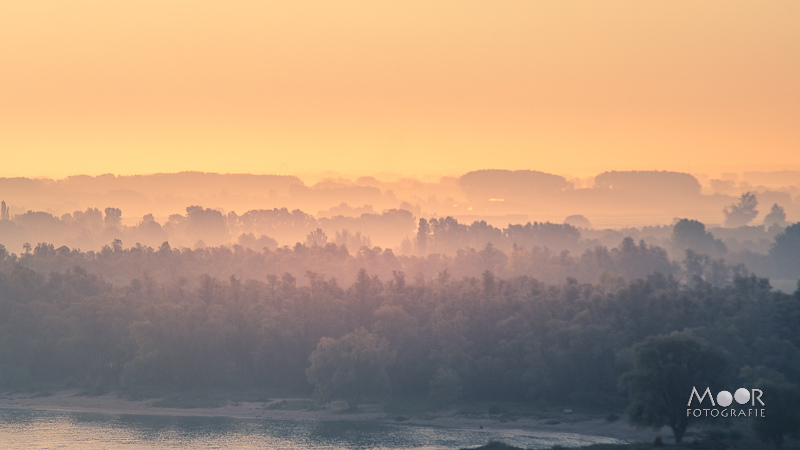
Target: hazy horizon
{"type": "Point", "coordinates": [311, 178]}
{"type": "Point", "coordinates": [712, 172]}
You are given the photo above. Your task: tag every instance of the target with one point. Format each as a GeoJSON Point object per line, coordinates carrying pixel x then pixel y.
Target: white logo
{"type": "Point", "coordinates": [725, 399]}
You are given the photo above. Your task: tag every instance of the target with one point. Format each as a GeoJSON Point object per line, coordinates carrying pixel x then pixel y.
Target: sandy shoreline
{"type": "Point", "coordinates": [70, 400]}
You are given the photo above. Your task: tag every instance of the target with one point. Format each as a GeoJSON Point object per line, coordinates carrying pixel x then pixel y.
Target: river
{"type": "Point", "coordinates": [44, 429]}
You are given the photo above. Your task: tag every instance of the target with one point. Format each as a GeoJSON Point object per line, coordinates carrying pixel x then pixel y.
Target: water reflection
{"type": "Point", "coordinates": [32, 429]}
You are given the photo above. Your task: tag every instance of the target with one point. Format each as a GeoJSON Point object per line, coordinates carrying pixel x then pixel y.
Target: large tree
{"type": "Point", "coordinates": [350, 367]}
{"type": "Point", "coordinates": [665, 369]}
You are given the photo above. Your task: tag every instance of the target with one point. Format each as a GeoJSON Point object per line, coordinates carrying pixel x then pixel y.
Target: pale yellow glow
{"type": "Point", "coordinates": [415, 87]}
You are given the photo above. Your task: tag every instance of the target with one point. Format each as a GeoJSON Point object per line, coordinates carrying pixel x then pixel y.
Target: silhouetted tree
{"type": "Point", "coordinates": [578, 221]}
{"type": "Point", "coordinates": [741, 213]}
{"type": "Point", "coordinates": [690, 234]}
{"type": "Point", "coordinates": [316, 238]}
{"type": "Point", "coordinates": [665, 369]}
{"type": "Point", "coordinates": [776, 217]}
{"type": "Point", "coordinates": [113, 217]}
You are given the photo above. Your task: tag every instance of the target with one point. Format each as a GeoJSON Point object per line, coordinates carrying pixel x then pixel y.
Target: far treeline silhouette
{"type": "Point", "coordinates": [614, 198]}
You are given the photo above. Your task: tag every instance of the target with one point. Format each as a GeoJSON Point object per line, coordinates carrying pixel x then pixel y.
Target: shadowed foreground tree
{"type": "Point", "coordinates": [783, 418]}
{"type": "Point", "coordinates": [781, 400]}
{"type": "Point", "coordinates": [665, 368]}
{"type": "Point", "coordinates": [350, 367]}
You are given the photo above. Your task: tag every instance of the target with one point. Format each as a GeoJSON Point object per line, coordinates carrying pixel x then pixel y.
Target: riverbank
{"type": "Point", "coordinates": [304, 409]}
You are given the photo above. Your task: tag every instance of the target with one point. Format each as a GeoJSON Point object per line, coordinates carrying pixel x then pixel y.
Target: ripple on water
{"type": "Point", "coordinates": [32, 429]}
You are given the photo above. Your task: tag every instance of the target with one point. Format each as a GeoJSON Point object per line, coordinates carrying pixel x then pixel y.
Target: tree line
{"type": "Point", "coordinates": [772, 251]}
{"type": "Point", "coordinates": [119, 265]}
{"type": "Point", "coordinates": [692, 253]}
{"type": "Point", "coordinates": [446, 337]}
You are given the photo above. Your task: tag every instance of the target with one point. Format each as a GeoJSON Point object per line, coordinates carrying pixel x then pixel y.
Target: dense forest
{"type": "Point", "coordinates": [494, 336]}
{"type": "Point", "coordinates": [510, 337]}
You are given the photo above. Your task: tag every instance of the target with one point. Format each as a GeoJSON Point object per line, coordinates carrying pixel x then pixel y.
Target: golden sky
{"type": "Point", "coordinates": [413, 87]}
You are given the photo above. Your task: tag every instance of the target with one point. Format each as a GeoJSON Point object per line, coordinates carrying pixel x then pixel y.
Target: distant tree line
{"type": "Point", "coordinates": [279, 230]}
{"type": "Point", "coordinates": [198, 227]}
{"type": "Point", "coordinates": [702, 256]}
{"type": "Point", "coordinates": [119, 265]}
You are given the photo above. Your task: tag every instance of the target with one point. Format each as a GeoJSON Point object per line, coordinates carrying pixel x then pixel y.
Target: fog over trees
{"type": "Point", "coordinates": [388, 294]}
{"type": "Point", "coordinates": [609, 200]}
{"type": "Point", "coordinates": [498, 212]}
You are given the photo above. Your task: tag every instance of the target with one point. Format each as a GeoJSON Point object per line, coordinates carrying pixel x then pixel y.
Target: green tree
{"type": "Point", "coordinates": [350, 367]}
{"type": "Point", "coordinates": [665, 369]}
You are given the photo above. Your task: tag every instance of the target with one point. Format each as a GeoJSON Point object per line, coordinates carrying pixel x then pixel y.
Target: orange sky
{"type": "Point", "coordinates": [413, 87]}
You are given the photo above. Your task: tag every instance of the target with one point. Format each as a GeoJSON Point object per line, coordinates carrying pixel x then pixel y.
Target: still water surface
{"type": "Point", "coordinates": [36, 429]}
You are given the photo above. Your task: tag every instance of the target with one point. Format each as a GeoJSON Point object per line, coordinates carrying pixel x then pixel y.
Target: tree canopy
{"type": "Point", "coordinates": [350, 367]}
{"type": "Point", "coordinates": [665, 370]}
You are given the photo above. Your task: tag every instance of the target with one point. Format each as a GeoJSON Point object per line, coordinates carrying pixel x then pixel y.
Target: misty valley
{"type": "Point", "coordinates": [527, 321]}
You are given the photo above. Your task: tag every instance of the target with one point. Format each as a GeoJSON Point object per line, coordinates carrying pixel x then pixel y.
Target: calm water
{"type": "Point", "coordinates": [31, 429]}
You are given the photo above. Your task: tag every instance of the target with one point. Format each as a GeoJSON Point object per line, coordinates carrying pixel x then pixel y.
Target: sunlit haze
{"type": "Point", "coordinates": [399, 224]}
{"type": "Point", "coordinates": [414, 87]}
